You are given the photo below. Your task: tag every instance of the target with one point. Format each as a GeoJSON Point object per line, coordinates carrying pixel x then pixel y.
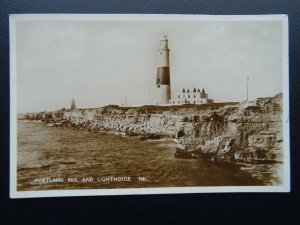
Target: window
{"type": "Point", "coordinates": [194, 102]}
{"type": "Point", "coordinates": [194, 96]}
{"type": "Point", "coordinates": [178, 102]}
{"type": "Point", "coordinates": [173, 102]}
{"type": "Point", "coordinates": [178, 96]}
{"type": "Point", "coordinates": [201, 101]}
{"type": "Point", "coordinates": [189, 96]}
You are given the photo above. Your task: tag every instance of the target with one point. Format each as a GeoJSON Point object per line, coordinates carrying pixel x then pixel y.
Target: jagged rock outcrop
{"type": "Point", "coordinates": [249, 131]}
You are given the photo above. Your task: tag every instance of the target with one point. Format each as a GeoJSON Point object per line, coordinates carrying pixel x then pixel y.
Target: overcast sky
{"type": "Point", "coordinates": [100, 62]}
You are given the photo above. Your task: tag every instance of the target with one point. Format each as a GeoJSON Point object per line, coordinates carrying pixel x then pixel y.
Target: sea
{"type": "Point", "coordinates": [58, 158]}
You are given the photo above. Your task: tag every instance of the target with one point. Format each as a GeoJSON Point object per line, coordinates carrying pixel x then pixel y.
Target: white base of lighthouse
{"type": "Point", "coordinates": [163, 94]}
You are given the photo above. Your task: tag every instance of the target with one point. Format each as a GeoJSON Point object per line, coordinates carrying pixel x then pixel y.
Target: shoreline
{"type": "Point", "coordinates": [253, 168]}
{"type": "Point", "coordinates": [249, 132]}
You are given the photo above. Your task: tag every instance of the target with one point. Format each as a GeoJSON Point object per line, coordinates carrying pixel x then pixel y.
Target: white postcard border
{"type": "Point", "coordinates": [141, 191]}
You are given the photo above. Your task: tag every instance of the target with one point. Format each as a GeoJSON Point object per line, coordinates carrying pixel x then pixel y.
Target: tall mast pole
{"type": "Point", "coordinates": [247, 88]}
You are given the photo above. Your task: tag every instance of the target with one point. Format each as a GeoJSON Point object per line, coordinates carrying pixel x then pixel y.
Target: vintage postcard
{"type": "Point", "coordinates": [148, 104]}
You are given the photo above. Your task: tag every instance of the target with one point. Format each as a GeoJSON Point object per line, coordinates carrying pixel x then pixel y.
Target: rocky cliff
{"type": "Point", "coordinates": [248, 131]}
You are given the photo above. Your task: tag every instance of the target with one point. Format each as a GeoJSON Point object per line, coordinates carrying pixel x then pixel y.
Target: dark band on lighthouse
{"type": "Point", "coordinates": [163, 76]}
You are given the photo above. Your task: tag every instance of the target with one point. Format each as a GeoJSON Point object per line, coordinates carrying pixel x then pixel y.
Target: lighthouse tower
{"type": "Point", "coordinates": [163, 92]}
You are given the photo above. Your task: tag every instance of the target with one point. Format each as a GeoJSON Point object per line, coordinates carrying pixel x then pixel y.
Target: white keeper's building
{"type": "Point", "coordinates": [190, 96]}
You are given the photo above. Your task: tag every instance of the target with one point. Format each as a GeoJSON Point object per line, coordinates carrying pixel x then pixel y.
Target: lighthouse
{"type": "Point", "coordinates": [163, 90]}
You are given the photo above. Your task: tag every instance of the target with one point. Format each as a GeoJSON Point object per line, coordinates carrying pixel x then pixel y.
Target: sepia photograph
{"type": "Point", "coordinates": [148, 104]}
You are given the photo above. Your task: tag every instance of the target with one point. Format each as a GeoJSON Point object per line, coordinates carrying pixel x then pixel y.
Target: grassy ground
{"type": "Point", "coordinates": [154, 108]}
